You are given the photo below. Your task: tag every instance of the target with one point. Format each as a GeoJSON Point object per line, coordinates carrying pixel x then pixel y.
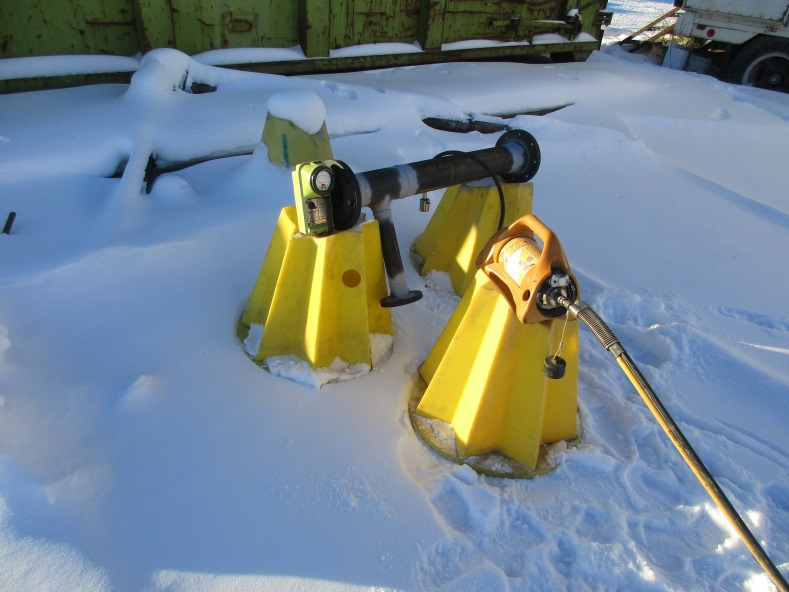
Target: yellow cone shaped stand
{"type": "Point", "coordinates": [462, 224]}
{"type": "Point", "coordinates": [289, 145]}
{"type": "Point", "coordinates": [319, 297]}
{"type": "Point", "coordinates": [485, 379]}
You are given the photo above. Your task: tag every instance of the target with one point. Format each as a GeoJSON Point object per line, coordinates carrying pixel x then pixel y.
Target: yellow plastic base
{"type": "Point", "coordinates": [464, 221]}
{"type": "Point", "coordinates": [485, 378]}
{"type": "Point", "coordinates": [319, 297]}
{"type": "Point", "coordinates": [289, 145]}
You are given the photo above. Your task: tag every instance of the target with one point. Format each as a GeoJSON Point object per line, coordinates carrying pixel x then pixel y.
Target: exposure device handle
{"type": "Point", "coordinates": [523, 272]}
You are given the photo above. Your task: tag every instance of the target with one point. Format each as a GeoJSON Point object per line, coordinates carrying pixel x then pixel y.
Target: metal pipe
{"type": "Point", "coordinates": [399, 292]}
{"type": "Point", "coordinates": [9, 223]}
{"type": "Point", "coordinates": [516, 157]}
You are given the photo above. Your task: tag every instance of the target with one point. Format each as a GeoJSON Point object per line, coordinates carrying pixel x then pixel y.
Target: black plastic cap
{"type": "Point", "coordinates": [554, 367]}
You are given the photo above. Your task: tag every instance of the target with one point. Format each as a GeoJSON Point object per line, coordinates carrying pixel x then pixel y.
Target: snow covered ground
{"type": "Point", "coordinates": [141, 449]}
{"type": "Point", "coordinates": [632, 15]}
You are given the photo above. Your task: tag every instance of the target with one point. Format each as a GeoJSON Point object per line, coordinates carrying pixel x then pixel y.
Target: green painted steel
{"type": "Point", "coordinates": [130, 27]}
{"type": "Point", "coordinates": [369, 62]}
{"type": "Point", "coordinates": [155, 24]}
{"type": "Point", "coordinates": [62, 27]}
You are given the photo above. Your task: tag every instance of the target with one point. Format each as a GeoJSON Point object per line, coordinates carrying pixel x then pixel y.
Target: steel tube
{"type": "Point", "coordinates": [9, 223]}
{"type": "Point", "coordinates": [399, 292]}
{"type": "Point", "coordinates": [514, 156]}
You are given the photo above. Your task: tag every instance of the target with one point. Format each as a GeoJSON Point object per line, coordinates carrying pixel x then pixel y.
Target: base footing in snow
{"type": "Point", "coordinates": [440, 436]}
{"type": "Point", "coordinates": [485, 378]}
{"type": "Point", "coordinates": [318, 298]}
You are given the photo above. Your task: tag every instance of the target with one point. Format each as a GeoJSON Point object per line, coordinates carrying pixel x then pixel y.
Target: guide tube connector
{"type": "Point", "coordinates": [583, 312]}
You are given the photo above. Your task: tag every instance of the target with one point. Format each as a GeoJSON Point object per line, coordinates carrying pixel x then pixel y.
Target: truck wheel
{"type": "Point", "coordinates": [763, 63]}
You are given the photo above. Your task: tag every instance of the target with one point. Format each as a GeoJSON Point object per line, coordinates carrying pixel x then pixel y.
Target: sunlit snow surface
{"type": "Point", "coordinates": [633, 15]}
{"type": "Point", "coordinates": [141, 448]}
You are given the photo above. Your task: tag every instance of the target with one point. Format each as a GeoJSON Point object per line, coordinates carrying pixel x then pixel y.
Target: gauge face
{"type": "Point", "coordinates": [322, 180]}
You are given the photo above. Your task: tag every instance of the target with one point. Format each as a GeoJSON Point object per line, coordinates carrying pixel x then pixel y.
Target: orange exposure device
{"type": "Point", "coordinates": [531, 278]}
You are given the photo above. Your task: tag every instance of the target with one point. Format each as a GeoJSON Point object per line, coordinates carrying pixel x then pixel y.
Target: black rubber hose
{"type": "Point", "coordinates": [492, 176]}
{"type": "Point", "coordinates": [9, 223]}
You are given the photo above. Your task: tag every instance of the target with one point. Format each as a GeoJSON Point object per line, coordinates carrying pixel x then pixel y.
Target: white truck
{"type": "Point", "coordinates": [748, 38]}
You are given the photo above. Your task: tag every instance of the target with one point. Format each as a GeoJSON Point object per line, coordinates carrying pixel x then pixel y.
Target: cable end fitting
{"type": "Point", "coordinates": [582, 311]}
{"type": "Point", "coordinates": [573, 308]}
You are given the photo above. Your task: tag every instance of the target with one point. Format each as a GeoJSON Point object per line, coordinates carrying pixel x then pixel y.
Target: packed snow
{"type": "Point", "coordinates": [141, 448]}
{"type": "Point", "coordinates": [303, 108]}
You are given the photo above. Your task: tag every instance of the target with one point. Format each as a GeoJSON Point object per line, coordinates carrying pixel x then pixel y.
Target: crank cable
{"type": "Point", "coordinates": [491, 174]}
{"type": "Point", "coordinates": [611, 343]}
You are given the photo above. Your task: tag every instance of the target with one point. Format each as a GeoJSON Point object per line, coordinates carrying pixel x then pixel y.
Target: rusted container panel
{"type": "Point", "coordinates": [61, 27]}
{"type": "Point", "coordinates": [511, 20]}
{"type": "Point", "coordinates": [499, 20]}
{"type": "Point", "coordinates": [375, 21]}
{"type": "Point", "coordinates": [196, 24]}
{"type": "Point", "coordinates": [128, 27]}
{"type": "Point", "coordinates": [333, 24]}
{"type": "Point", "coordinates": [314, 27]}
{"type": "Point", "coordinates": [202, 25]}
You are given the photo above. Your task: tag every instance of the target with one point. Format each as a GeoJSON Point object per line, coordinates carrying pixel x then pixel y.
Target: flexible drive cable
{"type": "Point", "coordinates": [610, 342]}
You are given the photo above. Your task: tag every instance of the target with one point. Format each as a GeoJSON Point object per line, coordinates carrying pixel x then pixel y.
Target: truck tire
{"type": "Point", "coordinates": [763, 63]}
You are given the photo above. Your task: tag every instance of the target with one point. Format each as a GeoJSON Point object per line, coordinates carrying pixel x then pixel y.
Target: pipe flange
{"type": "Point", "coordinates": [531, 155]}
{"type": "Point", "coordinates": [346, 197]}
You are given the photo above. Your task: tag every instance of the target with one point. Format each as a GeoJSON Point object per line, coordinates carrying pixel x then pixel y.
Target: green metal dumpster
{"type": "Point", "coordinates": [438, 30]}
